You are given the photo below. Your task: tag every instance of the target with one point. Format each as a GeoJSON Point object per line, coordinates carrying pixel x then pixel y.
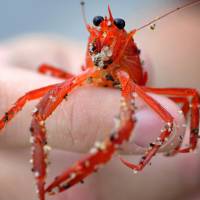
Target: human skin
{"type": "Point", "coordinates": [87, 116]}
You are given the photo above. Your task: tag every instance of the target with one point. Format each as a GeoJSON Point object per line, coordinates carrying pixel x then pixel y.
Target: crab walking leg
{"type": "Point", "coordinates": [162, 112]}
{"type": "Point", "coordinates": [54, 71]}
{"type": "Point", "coordinates": [20, 103]}
{"type": "Point", "coordinates": [184, 109]}
{"type": "Point", "coordinates": [102, 152]}
{"type": "Point", "coordinates": [38, 132]}
{"type": "Point", "coordinates": [183, 100]}
{"type": "Point", "coordinates": [194, 106]}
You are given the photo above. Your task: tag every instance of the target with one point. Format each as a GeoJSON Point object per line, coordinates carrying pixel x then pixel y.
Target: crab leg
{"type": "Point", "coordinates": [185, 107]}
{"type": "Point", "coordinates": [53, 71]}
{"type": "Point", "coordinates": [195, 102]}
{"type": "Point", "coordinates": [20, 103]}
{"type": "Point", "coordinates": [162, 112]}
{"type": "Point", "coordinates": [102, 152]}
{"type": "Point", "coordinates": [39, 141]}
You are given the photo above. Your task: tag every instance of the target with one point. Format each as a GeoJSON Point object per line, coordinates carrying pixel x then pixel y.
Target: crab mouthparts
{"type": "Point", "coordinates": [102, 58]}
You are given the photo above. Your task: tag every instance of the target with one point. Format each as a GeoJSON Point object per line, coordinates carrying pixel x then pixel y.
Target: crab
{"type": "Point", "coordinates": [112, 60]}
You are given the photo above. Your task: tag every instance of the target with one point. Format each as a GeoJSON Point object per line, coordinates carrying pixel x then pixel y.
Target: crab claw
{"type": "Point", "coordinates": [129, 164]}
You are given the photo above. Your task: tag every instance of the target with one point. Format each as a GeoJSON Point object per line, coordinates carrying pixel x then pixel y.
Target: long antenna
{"type": "Point", "coordinates": [83, 13]}
{"type": "Point", "coordinates": [168, 13]}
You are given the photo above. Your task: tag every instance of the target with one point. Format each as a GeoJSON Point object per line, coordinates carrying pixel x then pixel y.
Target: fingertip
{"type": "Point", "coordinates": [149, 126]}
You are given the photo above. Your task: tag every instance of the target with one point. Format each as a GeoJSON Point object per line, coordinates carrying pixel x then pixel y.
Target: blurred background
{"type": "Point", "coordinates": [63, 17]}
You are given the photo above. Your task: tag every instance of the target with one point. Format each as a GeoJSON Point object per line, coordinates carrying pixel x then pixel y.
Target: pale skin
{"type": "Point", "coordinates": [87, 116]}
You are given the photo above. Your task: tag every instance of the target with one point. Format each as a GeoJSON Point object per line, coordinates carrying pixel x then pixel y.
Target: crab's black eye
{"type": "Point", "coordinates": [97, 20]}
{"type": "Point", "coordinates": [119, 23]}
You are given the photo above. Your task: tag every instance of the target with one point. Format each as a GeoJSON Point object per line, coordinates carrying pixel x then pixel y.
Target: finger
{"type": "Point", "coordinates": [87, 116]}
{"type": "Point", "coordinates": [31, 51]}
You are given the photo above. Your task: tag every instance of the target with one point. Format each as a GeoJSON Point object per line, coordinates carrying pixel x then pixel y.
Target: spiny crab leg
{"type": "Point", "coordinates": [184, 110]}
{"type": "Point", "coordinates": [194, 106]}
{"type": "Point", "coordinates": [183, 100]}
{"type": "Point", "coordinates": [100, 154]}
{"type": "Point", "coordinates": [38, 139]}
{"type": "Point", "coordinates": [162, 112]}
{"type": "Point", "coordinates": [54, 71]}
{"type": "Point", "coordinates": [20, 103]}
{"type": "Point", "coordinates": [102, 151]}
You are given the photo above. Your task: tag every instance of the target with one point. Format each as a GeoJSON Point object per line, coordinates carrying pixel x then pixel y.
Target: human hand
{"type": "Point", "coordinates": [74, 127]}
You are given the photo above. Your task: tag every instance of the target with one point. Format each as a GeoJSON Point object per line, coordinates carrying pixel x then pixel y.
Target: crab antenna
{"type": "Point", "coordinates": [83, 14]}
{"type": "Point", "coordinates": [168, 13]}
{"type": "Point", "coordinates": [110, 13]}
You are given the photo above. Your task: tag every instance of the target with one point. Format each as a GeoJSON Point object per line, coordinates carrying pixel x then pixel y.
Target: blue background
{"type": "Point", "coordinates": [63, 17]}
